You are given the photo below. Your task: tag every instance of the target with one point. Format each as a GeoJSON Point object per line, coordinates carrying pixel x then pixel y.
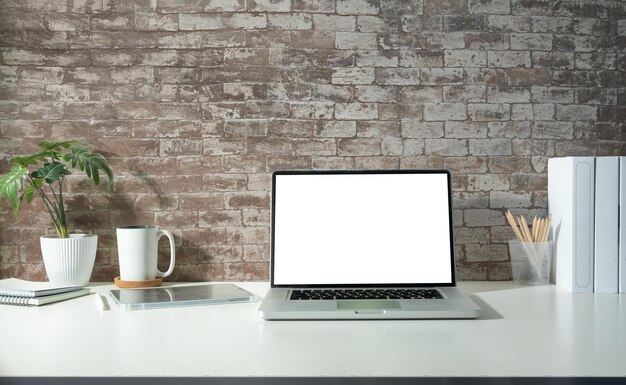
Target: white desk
{"type": "Point", "coordinates": [524, 331]}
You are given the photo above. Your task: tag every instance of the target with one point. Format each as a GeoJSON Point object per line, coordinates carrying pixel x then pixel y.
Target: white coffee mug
{"type": "Point", "coordinates": [137, 251]}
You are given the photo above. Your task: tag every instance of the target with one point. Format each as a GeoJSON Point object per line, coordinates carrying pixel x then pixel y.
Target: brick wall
{"type": "Point", "coordinates": [196, 102]}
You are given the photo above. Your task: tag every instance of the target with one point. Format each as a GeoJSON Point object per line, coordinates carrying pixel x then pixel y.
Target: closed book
{"type": "Point", "coordinates": [21, 288]}
{"type": "Point", "coordinates": [622, 227]}
{"type": "Point", "coordinates": [571, 194]}
{"type": "Point", "coordinates": [42, 300]}
{"type": "Point", "coordinates": [606, 243]}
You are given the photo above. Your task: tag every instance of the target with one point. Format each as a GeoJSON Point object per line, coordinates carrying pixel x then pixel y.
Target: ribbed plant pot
{"type": "Point", "coordinates": [69, 261]}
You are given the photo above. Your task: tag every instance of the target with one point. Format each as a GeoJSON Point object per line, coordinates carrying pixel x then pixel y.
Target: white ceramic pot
{"type": "Point", "coordinates": [69, 261]}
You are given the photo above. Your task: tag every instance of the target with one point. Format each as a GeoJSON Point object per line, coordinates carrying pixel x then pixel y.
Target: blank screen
{"type": "Point", "coordinates": [332, 229]}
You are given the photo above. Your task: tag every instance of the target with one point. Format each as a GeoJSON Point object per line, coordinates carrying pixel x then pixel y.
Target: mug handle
{"type": "Point", "coordinates": [169, 235]}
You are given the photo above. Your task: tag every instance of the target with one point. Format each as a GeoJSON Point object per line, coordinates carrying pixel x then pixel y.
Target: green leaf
{"type": "Point", "coordinates": [31, 188]}
{"type": "Point", "coordinates": [51, 172]}
{"type": "Point", "coordinates": [11, 184]}
{"type": "Point", "coordinates": [57, 145]}
{"type": "Point", "coordinates": [89, 162]}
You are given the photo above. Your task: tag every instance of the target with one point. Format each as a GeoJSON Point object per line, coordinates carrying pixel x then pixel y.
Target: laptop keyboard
{"type": "Point", "coordinates": [338, 294]}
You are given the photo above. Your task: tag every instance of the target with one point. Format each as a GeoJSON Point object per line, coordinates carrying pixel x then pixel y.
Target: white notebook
{"type": "Point", "coordinates": [42, 300]}
{"type": "Point", "coordinates": [22, 288]}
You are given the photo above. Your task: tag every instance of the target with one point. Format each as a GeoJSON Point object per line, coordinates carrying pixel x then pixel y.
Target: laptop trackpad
{"type": "Point", "coordinates": [366, 304]}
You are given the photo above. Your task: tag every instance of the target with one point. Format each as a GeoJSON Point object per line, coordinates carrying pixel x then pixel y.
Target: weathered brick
{"type": "Point", "coordinates": [356, 111]}
{"type": "Point", "coordinates": [269, 5]}
{"type": "Point", "coordinates": [418, 129]}
{"type": "Point", "coordinates": [490, 147]}
{"type": "Point", "coordinates": [509, 129]}
{"type": "Point", "coordinates": [465, 130]}
{"type": "Point", "coordinates": [529, 76]}
{"type": "Point", "coordinates": [455, 23]}
{"type": "Point", "coordinates": [9, 110]}
{"type": "Point", "coordinates": [509, 59]}
{"type": "Point", "coordinates": [135, 110]}
{"type": "Point", "coordinates": [320, 147]}
{"type": "Point", "coordinates": [176, 6]}
{"type": "Point", "coordinates": [488, 182]}
{"type": "Point", "coordinates": [507, 23]}
{"type": "Point", "coordinates": [464, 94]}
{"type": "Point", "coordinates": [446, 147]}
{"type": "Point", "coordinates": [490, 6]}
{"type": "Point", "coordinates": [68, 92]}
{"type": "Point", "coordinates": [492, 252]}
{"type": "Point", "coordinates": [294, 21]}
{"type": "Point", "coordinates": [420, 95]}
{"type": "Point", "coordinates": [337, 23]}
{"type": "Point", "coordinates": [420, 59]}
{"type": "Point", "coordinates": [358, 7]}
{"type": "Point", "coordinates": [155, 22]}
{"type": "Point", "coordinates": [487, 41]}
{"type": "Point", "coordinates": [353, 75]}
{"type": "Point", "coordinates": [543, 111]}
{"type": "Point", "coordinates": [336, 129]}
{"type": "Point", "coordinates": [555, 59]}
{"type": "Point", "coordinates": [324, 6]}
{"type": "Point", "coordinates": [111, 23]}
{"type": "Point", "coordinates": [202, 39]}
{"type": "Point", "coordinates": [376, 58]}
{"type": "Point", "coordinates": [508, 95]}
{"type": "Point", "coordinates": [398, 76]}
{"type": "Point", "coordinates": [509, 199]}
{"type": "Point", "coordinates": [179, 111]}
{"type": "Point", "coordinates": [465, 165]}
{"type": "Point", "coordinates": [374, 93]}
{"type": "Point", "coordinates": [552, 94]}
{"type": "Point", "coordinates": [46, 75]}
{"type": "Point", "coordinates": [576, 112]}
{"type": "Point", "coordinates": [378, 129]}
{"type": "Point", "coordinates": [393, 111]}
{"type": "Point", "coordinates": [575, 43]}
{"type": "Point", "coordinates": [465, 58]}
{"type": "Point", "coordinates": [487, 112]}
{"type": "Point", "coordinates": [439, 76]}
{"type": "Point", "coordinates": [509, 164]}
{"type": "Point", "coordinates": [246, 127]}
{"type": "Point", "coordinates": [126, 75]}
{"type": "Point", "coordinates": [245, 21]}
{"type": "Point", "coordinates": [195, 21]}
{"type": "Point", "coordinates": [445, 111]}
{"type": "Point", "coordinates": [359, 147]}
{"type": "Point", "coordinates": [552, 130]}
{"type": "Point", "coordinates": [355, 40]}
{"type": "Point", "coordinates": [531, 42]}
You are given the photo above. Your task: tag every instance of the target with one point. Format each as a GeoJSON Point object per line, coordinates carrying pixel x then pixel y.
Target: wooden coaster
{"type": "Point", "coordinates": [137, 284]}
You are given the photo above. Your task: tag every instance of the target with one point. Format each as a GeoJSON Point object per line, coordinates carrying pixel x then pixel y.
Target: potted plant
{"type": "Point", "coordinates": [68, 258]}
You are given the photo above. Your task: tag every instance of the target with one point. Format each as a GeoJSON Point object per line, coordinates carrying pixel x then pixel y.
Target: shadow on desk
{"type": "Point", "coordinates": [487, 312]}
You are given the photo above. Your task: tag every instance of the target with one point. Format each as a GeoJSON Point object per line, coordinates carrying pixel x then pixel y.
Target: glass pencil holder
{"type": "Point", "coordinates": [531, 261]}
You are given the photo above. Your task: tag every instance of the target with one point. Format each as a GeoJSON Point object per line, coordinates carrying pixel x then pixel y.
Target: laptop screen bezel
{"type": "Point", "coordinates": [340, 172]}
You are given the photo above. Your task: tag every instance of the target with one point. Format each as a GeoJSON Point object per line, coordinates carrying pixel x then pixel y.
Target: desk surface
{"type": "Point", "coordinates": [523, 331]}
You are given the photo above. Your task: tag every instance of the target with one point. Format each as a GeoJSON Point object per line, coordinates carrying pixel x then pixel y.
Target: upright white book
{"type": "Point", "coordinates": [622, 226]}
{"type": "Point", "coordinates": [571, 185]}
{"type": "Point", "coordinates": [606, 243]}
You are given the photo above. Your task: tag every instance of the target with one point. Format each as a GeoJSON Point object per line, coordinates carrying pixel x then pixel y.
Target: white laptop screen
{"type": "Point", "coordinates": [351, 228]}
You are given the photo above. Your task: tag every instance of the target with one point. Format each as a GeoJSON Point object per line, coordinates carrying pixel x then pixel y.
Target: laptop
{"type": "Point", "coordinates": [363, 245]}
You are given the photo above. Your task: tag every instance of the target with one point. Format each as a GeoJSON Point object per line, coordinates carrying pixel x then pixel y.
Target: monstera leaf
{"type": "Point", "coordinates": [89, 162]}
{"type": "Point", "coordinates": [50, 164]}
{"type": "Point", "coordinates": [11, 184]}
{"type": "Point", "coordinates": [51, 172]}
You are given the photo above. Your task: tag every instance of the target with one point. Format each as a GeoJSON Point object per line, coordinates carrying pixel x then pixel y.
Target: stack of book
{"type": "Point", "coordinates": [15, 291]}
{"type": "Point", "coordinates": [587, 202]}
